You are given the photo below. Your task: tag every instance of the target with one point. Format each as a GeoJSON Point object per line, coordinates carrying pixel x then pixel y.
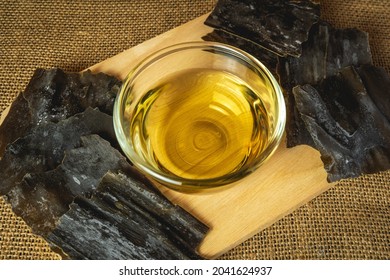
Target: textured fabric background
{"type": "Point", "coordinates": [350, 221]}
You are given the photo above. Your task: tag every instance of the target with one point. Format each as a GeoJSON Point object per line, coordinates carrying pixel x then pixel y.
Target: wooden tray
{"type": "Point", "coordinates": [291, 178]}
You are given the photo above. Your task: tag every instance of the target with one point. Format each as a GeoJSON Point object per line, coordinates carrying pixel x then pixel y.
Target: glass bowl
{"type": "Point", "coordinates": [199, 115]}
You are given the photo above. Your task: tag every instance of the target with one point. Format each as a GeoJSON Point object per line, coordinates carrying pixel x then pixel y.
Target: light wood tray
{"type": "Point", "coordinates": [289, 179]}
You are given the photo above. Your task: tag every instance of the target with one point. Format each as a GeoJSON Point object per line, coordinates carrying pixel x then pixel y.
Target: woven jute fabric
{"type": "Point", "coordinates": [350, 221]}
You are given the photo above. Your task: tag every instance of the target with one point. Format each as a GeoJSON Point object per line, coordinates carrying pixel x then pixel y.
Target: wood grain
{"type": "Point", "coordinates": [289, 179]}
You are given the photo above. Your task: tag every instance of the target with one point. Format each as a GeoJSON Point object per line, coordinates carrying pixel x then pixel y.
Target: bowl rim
{"type": "Point", "coordinates": [178, 182]}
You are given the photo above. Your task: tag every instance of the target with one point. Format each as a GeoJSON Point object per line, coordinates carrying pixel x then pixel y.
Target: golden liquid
{"type": "Point", "coordinates": [200, 124]}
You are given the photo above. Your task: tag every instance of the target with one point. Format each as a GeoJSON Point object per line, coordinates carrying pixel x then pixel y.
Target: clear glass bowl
{"type": "Point", "coordinates": [163, 110]}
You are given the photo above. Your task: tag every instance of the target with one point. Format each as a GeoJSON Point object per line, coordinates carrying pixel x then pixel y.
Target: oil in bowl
{"type": "Point", "coordinates": [199, 124]}
{"type": "Point", "coordinates": [199, 115]}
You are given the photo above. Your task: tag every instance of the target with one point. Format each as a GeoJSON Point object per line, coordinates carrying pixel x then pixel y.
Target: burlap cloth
{"type": "Point", "coordinates": [350, 221]}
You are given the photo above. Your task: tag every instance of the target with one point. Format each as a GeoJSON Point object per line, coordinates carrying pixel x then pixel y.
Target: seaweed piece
{"type": "Point", "coordinates": [310, 68]}
{"type": "Point", "coordinates": [42, 198]}
{"type": "Point", "coordinates": [347, 124]}
{"type": "Point", "coordinates": [377, 82]}
{"type": "Point", "coordinates": [83, 167]}
{"type": "Point", "coordinates": [269, 59]}
{"type": "Point", "coordinates": [137, 195]}
{"type": "Point", "coordinates": [54, 95]}
{"type": "Point", "coordinates": [16, 123]}
{"type": "Point", "coordinates": [278, 25]}
{"type": "Point", "coordinates": [326, 52]}
{"type": "Point", "coordinates": [43, 148]}
{"type": "Point", "coordinates": [49, 98]}
{"type": "Point", "coordinates": [121, 222]}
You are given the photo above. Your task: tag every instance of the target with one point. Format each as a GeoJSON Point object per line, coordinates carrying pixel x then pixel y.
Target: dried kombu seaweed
{"type": "Point", "coordinates": [43, 148]}
{"type": "Point", "coordinates": [125, 220]}
{"type": "Point", "coordinates": [54, 95]}
{"type": "Point", "coordinates": [16, 124]}
{"type": "Point", "coordinates": [42, 198]}
{"type": "Point", "coordinates": [278, 25]}
{"type": "Point", "coordinates": [326, 52]}
{"type": "Point", "coordinates": [377, 82]}
{"type": "Point", "coordinates": [132, 194]}
{"type": "Point", "coordinates": [269, 59]}
{"type": "Point", "coordinates": [83, 167]}
{"type": "Point", "coordinates": [348, 119]}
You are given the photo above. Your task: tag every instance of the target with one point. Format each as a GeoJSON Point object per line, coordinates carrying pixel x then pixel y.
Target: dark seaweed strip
{"type": "Point", "coordinates": [48, 97]}
{"type": "Point", "coordinates": [91, 230]}
{"type": "Point", "coordinates": [109, 229]}
{"type": "Point", "coordinates": [308, 69]}
{"type": "Point", "coordinates": [183, 228]}
{"type": "Point", "coordinates": [54, 95]}
{"type": "Point", "coordinates": [43, 148]}
{"type": "Point", "coordinates": [377, 82]}
{"type": "Point", "coordinates": [16, 123]}
{"type": "Point", "coordinates": [326, 52]}
{"type": "Point", "coordinates": [42, 198]}
{"type": "Point", "coordinates": [278, 25]}
{"type": "Point", "coordinates": [98, 90]}
{"type": "Point", "coordinates": [345, 123]}
{"type": "Point", "coordinates": [269, 59]}
{"type": "Point", "coordinates": [84, 167]}
{"type": "Point", "coordinates": [347, 47]}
